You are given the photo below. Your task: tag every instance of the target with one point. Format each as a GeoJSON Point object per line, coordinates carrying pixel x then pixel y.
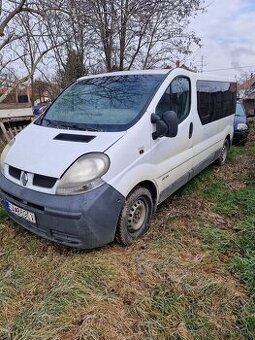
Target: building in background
{"type": "Point", "coordinates": [246, 93]}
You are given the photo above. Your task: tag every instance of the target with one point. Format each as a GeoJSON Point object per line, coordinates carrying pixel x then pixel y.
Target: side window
{"type": "Point", "coordinates": [176, 98]}
{"type": "Point", "coordinates": [215, 100]}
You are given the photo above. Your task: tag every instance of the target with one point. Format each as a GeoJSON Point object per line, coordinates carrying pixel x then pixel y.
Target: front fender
{"type": "Point", "coordinates": [129, 178]}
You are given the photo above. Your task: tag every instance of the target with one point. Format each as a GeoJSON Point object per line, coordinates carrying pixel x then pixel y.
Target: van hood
{"type": "Point", "coordinates": [50, 151]}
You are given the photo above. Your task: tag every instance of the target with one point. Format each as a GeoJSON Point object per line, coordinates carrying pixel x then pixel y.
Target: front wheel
{"type": "Point", "coordinates": [135, 216]}
{"type": "Point", "coordinates": [224, 153]}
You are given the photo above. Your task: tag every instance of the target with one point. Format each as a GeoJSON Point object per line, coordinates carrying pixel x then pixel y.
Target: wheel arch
{"type": "Point", "coordinates": [228, 139]}
{"type": "Point", "coordinates": [152, 189]}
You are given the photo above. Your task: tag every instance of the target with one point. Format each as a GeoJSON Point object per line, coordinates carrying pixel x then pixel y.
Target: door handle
{"type": "Point", "coordinates": [190, 130]}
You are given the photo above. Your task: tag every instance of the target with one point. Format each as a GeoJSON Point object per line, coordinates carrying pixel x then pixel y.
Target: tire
{"type": "Point", "coordinates": [223, 153]}
{"type": "Point", "coordinates": [135, 216]}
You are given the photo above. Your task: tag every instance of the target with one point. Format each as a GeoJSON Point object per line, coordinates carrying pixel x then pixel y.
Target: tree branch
{"type": "Point", "coordinates": [10, 16]}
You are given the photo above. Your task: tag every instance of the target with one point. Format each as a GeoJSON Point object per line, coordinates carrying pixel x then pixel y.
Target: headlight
{"type": "Point", "coordinates": [242, 126]}
{"type": "Point", "coordinates": [4, 154]}
{"type": "Point", "coordinates": [84, 174]}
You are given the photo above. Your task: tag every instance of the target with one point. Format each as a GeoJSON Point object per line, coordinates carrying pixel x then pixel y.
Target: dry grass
{"type": "Point", "coordinates": [175, 283]}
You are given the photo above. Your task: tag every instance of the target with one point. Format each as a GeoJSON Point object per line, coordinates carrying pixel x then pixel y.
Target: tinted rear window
{"type": "Point", "coordinates": [215, 100]}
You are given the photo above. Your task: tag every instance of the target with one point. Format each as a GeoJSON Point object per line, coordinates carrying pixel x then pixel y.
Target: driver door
{"type": "Point", "coordinates": [173, 156]}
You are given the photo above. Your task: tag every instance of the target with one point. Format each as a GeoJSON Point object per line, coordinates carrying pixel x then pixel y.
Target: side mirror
{"type": "Point", "coordinates": [171, 120]}
{"type": "Point", "coordinates": [166, 126]}
{"type": "Point", "coordinates": [161, 126]}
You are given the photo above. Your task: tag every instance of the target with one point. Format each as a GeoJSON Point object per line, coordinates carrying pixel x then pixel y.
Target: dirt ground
{"type": "Point", "coordinates": [175, 283]}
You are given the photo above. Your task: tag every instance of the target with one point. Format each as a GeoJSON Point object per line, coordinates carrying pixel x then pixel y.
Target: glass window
{"type": "Point", "coordinates": [215, 100]}
{"type": "Point", "coordinates": [176, 98]}
{"type": "Point", "coordinates": [110, 103]}
{"type": "Point", "coordinates": [240, 111]}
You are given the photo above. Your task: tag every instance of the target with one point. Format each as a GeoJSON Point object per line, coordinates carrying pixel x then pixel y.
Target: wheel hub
{"type": "Point", "coordinates": [137, 216]}
{"type": "Point", "coordinates": [224, 153]}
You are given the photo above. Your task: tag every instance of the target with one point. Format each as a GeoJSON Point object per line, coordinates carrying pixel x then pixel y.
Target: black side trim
{"type": "Point", "coordinates": [175, 186]}
{"type": "Point", "coordinates": [67, 137]}
{"type": "Point", "coordinates": [188, 176]}
{"type": "Point", "coordinates": [204, 164]}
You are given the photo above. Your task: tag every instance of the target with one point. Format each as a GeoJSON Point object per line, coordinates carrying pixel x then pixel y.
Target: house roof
{"type": "Point", "coordinates": [3, 90]}
{"type": "Point", "coordinates": [252, 95]}
{"type": "Point", "coordinates": [246, 85]}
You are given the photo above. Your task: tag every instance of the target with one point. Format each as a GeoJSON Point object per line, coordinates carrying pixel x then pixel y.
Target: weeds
{"type": "Point", "coordinates": [191, 277]}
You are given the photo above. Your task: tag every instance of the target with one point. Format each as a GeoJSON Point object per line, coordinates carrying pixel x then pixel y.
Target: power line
{"type": "Point", "coordinates": [230, 68]}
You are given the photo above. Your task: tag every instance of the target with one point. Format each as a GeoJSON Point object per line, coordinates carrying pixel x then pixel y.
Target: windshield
{"type": "Point", "coordinates": [111, 103]}
{"type": "Point", "coordinates": [240, 110]}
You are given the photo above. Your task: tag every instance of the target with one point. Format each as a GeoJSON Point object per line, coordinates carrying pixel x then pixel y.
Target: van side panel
{"type": "Point", "coordinates": [209, 139]}
{"type": "Point", "coordinates": [215, 102]}
{"type": "Point", "coordinates": [167, 162]}
{"type": "Point", "coordinates": [172, 157]}
{"type": "Point", "coordinates": [131, 158]}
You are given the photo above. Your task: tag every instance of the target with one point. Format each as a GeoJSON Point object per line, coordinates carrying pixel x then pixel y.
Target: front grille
{"type": "Point", "coordinates": [44, 181]}
{"type": "Point", "coordinates": [14, 172]}
{"type": "Point", "coordinates": [38, 180]}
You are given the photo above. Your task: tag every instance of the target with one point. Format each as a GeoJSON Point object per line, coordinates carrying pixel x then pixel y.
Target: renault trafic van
{"type": "Point", "coordinates": [110, 148]}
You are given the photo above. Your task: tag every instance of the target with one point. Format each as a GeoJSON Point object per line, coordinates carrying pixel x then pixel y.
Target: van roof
{"type": "Point", "coordinates": [194, 75]}
{"type": "Point", "coordinates": [122, 73]}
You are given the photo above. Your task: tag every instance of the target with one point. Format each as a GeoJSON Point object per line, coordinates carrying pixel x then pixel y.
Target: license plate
{"type": "Point", "coordinates": [26, 215]}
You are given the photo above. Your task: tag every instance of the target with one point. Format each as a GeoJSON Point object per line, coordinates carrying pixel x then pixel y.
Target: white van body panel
{"type": "Point", "coordinates": [32, 168]}
{"type": "Point", "coordinates": [166, 161]}
{"type": "Point", "coordinates": [135, 156]}
{"type": "Point", "coordinates": [36, 151]}
{"type": "Point", "coordinates": [131, 158]}
{"type": "Point", "coordinates": [172, 157]}
{"type": "Point", "coordinates": [210, 138]}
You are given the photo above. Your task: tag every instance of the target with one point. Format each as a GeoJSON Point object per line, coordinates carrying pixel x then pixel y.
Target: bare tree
{"type": "Point", "coordinates": [15, 7]}
{"type": "Point", "coordinates": [103, 35]}
{"type": "Point", "coordinates": [24, 38]}
{"type": "Point", "coordinates": [125, 34]}
{"type": "Point", "coordinates": [142, 33]}
{"type": "Point", "coordinates": [7, 14]}
{"type": "Point", "coordinates": [78, 36]}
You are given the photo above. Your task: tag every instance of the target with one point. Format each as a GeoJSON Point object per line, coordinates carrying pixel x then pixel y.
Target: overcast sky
{"type": "Point", "coordinates": [227, 30]}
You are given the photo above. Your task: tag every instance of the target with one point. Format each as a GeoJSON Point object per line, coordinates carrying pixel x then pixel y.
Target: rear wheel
{"type": "Point", "coordinates": [224, 153]}
{"type": "Point", "coordinates": [135, 216]}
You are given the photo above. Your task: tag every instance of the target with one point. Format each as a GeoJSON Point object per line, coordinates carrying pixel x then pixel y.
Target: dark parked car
{"type": "Point", "coordinates": [241, 127]}
{"type": "Point", "coordinates": [40, 108]}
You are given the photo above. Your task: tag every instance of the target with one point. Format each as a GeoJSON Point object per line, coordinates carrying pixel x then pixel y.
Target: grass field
{"type": "Point", "coordinates": [191, 277]}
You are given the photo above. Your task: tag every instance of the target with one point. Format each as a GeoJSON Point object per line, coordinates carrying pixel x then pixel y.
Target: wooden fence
{"type": "Point", "coordinates": [13, 118]}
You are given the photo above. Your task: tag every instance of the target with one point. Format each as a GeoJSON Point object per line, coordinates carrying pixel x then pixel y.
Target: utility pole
{"type": "Point", "coordinates": [202, 64]}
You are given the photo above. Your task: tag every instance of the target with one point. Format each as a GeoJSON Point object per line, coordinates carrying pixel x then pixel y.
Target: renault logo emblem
{"type": "Point", "coordinates": [24, 178]}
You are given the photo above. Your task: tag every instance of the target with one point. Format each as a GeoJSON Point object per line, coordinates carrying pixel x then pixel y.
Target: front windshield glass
{"type": "Point", "coordinates": [106, 103]}
{"type": "Point", "coordinates": [240, 110]}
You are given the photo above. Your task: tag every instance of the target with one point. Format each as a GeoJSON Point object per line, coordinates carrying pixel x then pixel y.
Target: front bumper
{"type": "Point", "coordinates": [240, 136]}
{"type": "Point", "coordinates": [83, 221]}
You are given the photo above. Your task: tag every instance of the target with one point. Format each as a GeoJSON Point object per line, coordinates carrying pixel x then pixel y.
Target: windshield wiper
{"type": "Point", "coordinates": [49, 122]}
{"type": "Point", "coordinates": [59, 125]}
{"type": "Point", "coordinates": [78, 127]}
{"type": "Point", "coordinates": [92, 129]}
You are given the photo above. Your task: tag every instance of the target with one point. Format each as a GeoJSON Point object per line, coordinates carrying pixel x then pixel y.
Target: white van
{"type": "Point", "coordinates": [110, 148]}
